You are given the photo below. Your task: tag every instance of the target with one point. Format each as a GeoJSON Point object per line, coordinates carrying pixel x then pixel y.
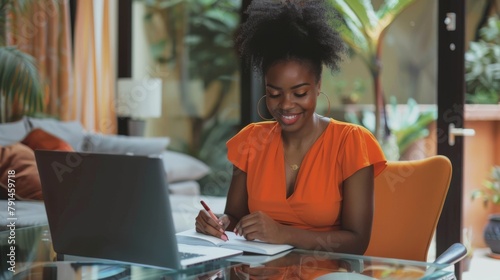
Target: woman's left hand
{"type": "Point", "coordinates": [260, 226]}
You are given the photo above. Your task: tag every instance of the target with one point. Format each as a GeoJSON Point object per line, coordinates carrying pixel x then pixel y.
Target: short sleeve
{"type": "Point", "coordinates": [240, 148]}
{"type": "Point", "coordinates": [361, 149]}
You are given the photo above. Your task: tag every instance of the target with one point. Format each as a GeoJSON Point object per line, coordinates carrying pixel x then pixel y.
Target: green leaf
{"type": "Point", "coordinates": [354, 29]}
{"type": "Point", "coordinates": [364, 27]}
{"type": "Point", "coordinates": [495, 173]}
{"type": "Point", "coordinates": [347, 13]}
{"type": "Point", "coordinates": [363, 9]}
{"type": "Point", "coordinates": [19, 79]}
{"type": "Point", "coordinates": [392, 8]}
{"type": "Point", "coordinates": [495, 198]}
{"type": "Point", "coordinates": [476, 194]}
{"type": "Point", "coordinates": [482, 65]}
{"type": "Point", "coordinates": [489, 185]}
{"type": "Point", "coordinates": [409, 125]}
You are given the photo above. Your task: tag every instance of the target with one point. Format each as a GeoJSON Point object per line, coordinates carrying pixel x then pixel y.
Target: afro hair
{"type": "Point", "coordinates": [290, 29]}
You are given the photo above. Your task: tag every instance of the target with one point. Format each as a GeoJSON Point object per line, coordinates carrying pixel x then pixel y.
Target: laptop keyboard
{"type": "Point", "coordinates": [186, 255]}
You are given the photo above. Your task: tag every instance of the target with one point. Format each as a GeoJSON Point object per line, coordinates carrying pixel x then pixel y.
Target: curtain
{"type": "Point", "coordinates": [93, 100]}
{"type": "Point", "coordinates": [43, 31]}
{"type": "Point", "coordinates": [81, 87]}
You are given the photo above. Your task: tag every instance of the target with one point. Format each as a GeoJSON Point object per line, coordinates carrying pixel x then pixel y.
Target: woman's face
{"type": "Point", "coordinates": [291, 93]}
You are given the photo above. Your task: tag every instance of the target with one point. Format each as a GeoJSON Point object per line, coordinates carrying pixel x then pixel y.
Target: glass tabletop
{"type": "Point", "coordinates": [296, 264]}
{"type": "Point", "coordinates": [35, 259]}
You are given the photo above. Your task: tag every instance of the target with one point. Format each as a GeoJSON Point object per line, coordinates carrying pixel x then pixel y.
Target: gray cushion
{"type": "Point", "coordinates": [119, 144]}
{"type": "Point", "coordinates": [71, 132]}
{"type": "Point", "coordinates": [28, 213]}
{"type": "Point", "coordinates": [13, 132]}
{"type": "Point", "coordinates": [184, 188]}
{"type": "Point", "coordinates": [183, 167]}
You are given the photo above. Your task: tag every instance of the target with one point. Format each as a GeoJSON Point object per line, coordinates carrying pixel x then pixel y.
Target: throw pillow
{"type": "Point", "coordinates": [183, 167]}
{"type": "Point", "coordinates": [20, 159]}
{"type": "Point", "coordinates": [120, 144]}
{"type": "Point", "coordinates": [38, 139]}
{"type": "Point", "coordinates": [12, 132]}
{"type": "Point", "coordinates": [71, 131]}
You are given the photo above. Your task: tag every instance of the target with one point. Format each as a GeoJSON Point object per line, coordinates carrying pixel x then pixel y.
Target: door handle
{"type": "Point", "coordinates": [451, 21]}
{"type": "Point", "coordinates": [453, 132]}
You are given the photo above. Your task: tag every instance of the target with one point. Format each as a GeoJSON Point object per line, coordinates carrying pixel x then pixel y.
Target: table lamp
{"type": "Point", "coordinates": [138, 100]}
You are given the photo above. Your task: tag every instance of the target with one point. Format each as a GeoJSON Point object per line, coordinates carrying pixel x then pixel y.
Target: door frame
{"type": "Point", "coordinates": [450, 102]}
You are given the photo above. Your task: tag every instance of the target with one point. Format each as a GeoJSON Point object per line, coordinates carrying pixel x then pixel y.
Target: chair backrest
{"type": "Point", "coordinates": [409, 197]}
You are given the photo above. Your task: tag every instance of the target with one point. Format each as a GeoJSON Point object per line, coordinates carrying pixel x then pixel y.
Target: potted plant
{"type": "Point", "coordinates": [490, 193]}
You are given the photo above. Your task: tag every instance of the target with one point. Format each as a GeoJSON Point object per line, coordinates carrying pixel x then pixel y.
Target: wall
{"type": "Point", "coordinates": [481, 152]}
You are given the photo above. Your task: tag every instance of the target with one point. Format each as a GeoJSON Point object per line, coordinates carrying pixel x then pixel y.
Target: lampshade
{"type": "Point", "coordinates": [139, 98]}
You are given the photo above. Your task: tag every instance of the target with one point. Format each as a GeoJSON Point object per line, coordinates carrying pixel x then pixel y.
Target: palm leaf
{"type": "Point", "coordinates": [345, 9]}
{"type": "Point", "coordinates": [363, 9]}
{"type": "Point", "coordinates": [390, 9]}
{"type": "Point", "coordinates": [19, 79]}
{"type": "Point", "coordinates": [364, 25]}
{"type": "Point", "coordinates": [353, 36]}
{"type": "Point", "coordinates": [393, 7]}
{"type": "Point", "coordinates": [353, 30]}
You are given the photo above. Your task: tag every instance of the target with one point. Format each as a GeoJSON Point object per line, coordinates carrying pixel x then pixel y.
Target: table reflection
{"type": "Point", "coordinates": [35, 260]}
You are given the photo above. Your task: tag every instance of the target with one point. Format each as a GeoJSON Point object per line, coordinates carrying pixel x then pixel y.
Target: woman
{"type": "Point", "coordinates": [303, 179]}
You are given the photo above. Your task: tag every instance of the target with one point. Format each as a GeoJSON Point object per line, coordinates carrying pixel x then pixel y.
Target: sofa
{"type": "Point", "coordinates": [19, 139]}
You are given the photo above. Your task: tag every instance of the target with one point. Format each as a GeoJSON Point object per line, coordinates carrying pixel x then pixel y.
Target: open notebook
{"type": "Point", "coordinates": [236, 242]}
{"type": "Point", "coordinates": [114, 207]}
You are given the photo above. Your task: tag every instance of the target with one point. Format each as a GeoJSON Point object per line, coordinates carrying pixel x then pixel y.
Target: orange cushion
{"type": "Point", "coordinates": [20, 159]}
{"type": "Point", "coordinates": [39, 139]}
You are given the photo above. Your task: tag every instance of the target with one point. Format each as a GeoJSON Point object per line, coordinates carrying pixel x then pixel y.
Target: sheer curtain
{"type": "Point", "coordinates": [92, 101]}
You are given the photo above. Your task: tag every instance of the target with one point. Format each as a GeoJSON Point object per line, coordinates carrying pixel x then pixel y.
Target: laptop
{"type": "Point", "coordinates": [114, 207]}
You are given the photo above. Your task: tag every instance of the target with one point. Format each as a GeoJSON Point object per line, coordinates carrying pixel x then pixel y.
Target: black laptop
{"type": "Point", "coordinates": [114, 207]}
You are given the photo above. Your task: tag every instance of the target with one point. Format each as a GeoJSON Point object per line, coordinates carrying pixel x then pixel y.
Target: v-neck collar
{"type": "Point", "coordinates": [304, 160]}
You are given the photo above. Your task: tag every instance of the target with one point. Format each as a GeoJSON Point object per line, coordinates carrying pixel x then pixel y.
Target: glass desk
{"type": "Point", "coordinates": [35, 260]}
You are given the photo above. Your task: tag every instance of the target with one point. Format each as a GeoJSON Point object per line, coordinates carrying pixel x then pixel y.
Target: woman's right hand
{"type": "Point", "coordinates": [206, 225]}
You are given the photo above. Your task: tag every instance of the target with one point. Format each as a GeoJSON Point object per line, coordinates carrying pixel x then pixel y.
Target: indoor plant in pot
{"type": "Point", "coordinates": [490, 193]}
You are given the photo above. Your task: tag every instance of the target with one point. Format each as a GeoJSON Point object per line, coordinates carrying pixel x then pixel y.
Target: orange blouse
{"type": "Point", "coordinates": [341, 150]}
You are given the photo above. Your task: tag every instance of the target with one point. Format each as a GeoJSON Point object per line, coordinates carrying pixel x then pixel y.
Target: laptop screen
{"type": "Point", "coordinates": [108, 206]}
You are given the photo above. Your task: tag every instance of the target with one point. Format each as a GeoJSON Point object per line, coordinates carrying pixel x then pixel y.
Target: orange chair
{"type": "Point", "coordinates": [409, 197]}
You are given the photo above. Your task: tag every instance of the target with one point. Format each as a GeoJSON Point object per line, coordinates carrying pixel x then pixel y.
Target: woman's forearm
{"type": "Point", "coordinates": [340, 241]}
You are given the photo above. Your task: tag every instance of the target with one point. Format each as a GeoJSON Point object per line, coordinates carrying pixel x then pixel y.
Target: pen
{"type": "Point", "coordinates": [213, 216]}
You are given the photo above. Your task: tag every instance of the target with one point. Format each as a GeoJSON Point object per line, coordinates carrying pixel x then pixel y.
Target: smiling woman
{"type": "Point", "coordinates": [287, 171]}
